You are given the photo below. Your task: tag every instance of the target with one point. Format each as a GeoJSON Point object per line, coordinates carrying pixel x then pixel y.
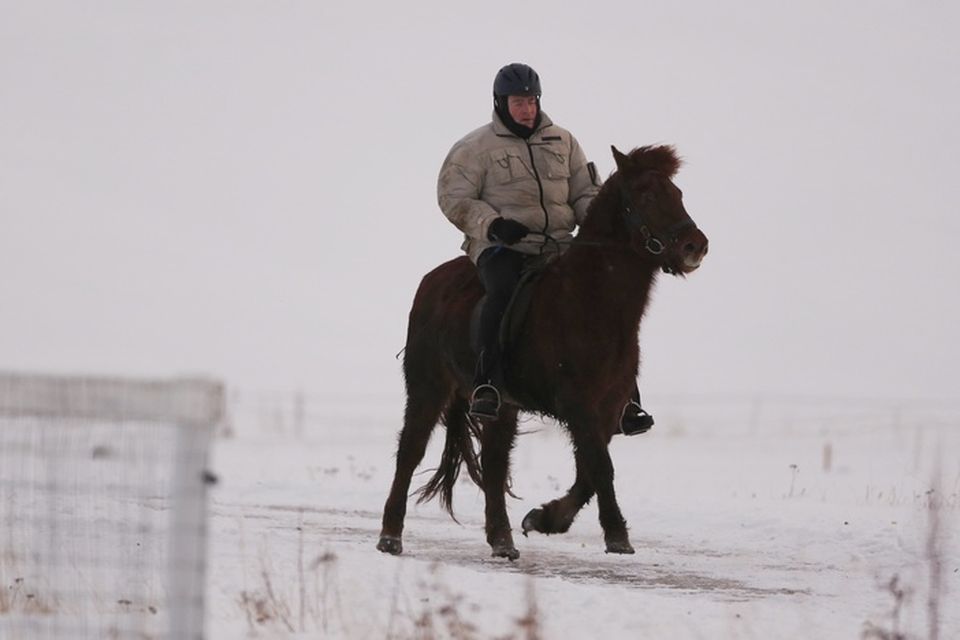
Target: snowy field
{"type": "Point", "coordinates": [763, 519]}
{"type": "Point", "coordinates": [247, 190]}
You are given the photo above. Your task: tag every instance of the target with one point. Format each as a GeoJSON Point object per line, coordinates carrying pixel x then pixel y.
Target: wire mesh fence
{"type": "Point", "coordinates": [103, 506]}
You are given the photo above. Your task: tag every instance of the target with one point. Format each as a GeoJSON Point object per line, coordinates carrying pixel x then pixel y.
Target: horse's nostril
{"type": "Point", "coordinates": [689, 248]}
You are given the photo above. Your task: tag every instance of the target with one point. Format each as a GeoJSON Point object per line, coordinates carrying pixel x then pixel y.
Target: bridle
{"type": "Point", "coordinates": [655, 243]}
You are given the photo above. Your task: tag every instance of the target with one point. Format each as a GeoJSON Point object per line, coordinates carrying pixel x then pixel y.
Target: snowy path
{"type": "Point", "coordinates": [437, 542]}
{"type": "Point", "coordinates": [736, 537]}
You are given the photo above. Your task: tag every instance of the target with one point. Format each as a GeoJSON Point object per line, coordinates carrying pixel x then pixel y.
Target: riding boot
{"type": "Point", "coordinates": [485, 399]}
{"type": "Point", "coordinates": [634, 420]}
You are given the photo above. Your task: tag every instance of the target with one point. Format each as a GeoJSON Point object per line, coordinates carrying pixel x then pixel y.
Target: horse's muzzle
{"type": "Point", "coordinates": [692, 250]}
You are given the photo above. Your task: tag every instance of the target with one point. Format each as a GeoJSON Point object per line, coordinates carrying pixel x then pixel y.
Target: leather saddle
{"type": "Point", "coordinates": [513, 317]}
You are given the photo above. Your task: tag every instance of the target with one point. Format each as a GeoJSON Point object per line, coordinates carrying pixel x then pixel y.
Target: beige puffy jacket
{"type": "Point", "coordinates": [544, 182]}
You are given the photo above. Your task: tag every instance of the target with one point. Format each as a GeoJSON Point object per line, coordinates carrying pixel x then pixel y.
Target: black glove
{"type": "Point", "coordinates": [507, 231]}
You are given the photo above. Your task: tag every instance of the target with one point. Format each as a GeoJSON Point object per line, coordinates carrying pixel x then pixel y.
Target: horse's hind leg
{"type": "Point", "coordinates": [425, 403]}
{"type": "Point", "coordinates": [497, 442]}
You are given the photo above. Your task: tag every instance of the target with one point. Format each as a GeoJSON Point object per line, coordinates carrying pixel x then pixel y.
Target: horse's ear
{"type": "Point", "coordinates": [621, 160]}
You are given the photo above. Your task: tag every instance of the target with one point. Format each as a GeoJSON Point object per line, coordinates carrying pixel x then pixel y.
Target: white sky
{"type": "Point", "coordinates": [247, 189]}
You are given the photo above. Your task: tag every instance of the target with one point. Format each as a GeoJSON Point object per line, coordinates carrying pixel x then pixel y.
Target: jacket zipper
{"type": "Point", "coordinates": [536, 174]}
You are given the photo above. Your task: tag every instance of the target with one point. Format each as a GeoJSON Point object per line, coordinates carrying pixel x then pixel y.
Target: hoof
{"type": "Point", "coordinates": [505, 551]}
{"type": "Point", "coordinates": [391, 545]}
{"type": "Point", "coordinates": [532, 521]}
{"type": "Point", "coordinates": [619, 546]}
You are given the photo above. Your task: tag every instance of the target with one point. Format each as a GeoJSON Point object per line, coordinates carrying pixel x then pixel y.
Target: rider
{"type": "Point", "coordinates": [516, 187]}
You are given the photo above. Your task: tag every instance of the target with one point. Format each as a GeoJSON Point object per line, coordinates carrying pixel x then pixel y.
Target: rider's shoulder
{"type": "Point", "coordinates": [477, 145]}
{"type": "Point", "coordinates": [482, 135]}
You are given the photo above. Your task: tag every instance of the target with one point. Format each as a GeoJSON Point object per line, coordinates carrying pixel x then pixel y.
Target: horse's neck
{"type": "Point", "coordinates": [603, 262]}
{"type": "Point", "coordinates": [616, 281]}
{"type": "Point", "coordinates": [602, 224]}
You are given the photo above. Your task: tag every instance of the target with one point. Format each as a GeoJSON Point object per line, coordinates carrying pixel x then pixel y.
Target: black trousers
{"type": "Point", "coordinates": [500, 269]}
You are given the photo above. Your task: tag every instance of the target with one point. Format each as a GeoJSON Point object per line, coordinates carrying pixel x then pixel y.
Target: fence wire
{"type": "Point", "coordinates": [102, 520]}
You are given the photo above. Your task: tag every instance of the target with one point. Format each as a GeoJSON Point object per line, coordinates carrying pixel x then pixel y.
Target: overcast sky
{"type": "Point", "coordinates": [247, 189]}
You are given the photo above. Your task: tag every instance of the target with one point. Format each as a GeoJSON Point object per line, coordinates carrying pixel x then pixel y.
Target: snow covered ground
{"type": "Point", "coordinates": [772, 519]}
{"type": "Point", "coordinates": [188, 188]}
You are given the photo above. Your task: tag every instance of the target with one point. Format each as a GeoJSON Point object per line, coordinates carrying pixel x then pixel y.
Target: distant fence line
{"type": "Point", "coordinates": [305, 414]}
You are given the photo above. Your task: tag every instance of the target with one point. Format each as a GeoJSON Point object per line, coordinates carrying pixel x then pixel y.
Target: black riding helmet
{"type": "Point", "coordinates": [516, 79]}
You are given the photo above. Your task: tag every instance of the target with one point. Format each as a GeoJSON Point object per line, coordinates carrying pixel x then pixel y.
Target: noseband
{"type": "Point", "coordinates": [655, 243]}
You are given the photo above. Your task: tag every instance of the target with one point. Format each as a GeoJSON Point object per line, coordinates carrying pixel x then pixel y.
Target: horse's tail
{"type": "Point", "coordinates": [457, 449]}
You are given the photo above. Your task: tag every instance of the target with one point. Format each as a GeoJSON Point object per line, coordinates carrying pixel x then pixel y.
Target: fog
{"type": "Point", "coordinates": [247, 189]}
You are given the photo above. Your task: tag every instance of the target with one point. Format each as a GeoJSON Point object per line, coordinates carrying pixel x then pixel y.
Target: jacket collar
{"type": "Point", "coordinates": [501, 129]}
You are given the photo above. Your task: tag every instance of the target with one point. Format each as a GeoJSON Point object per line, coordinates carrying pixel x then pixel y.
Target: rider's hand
{"type": "Point", "coordinates": [507, 231]}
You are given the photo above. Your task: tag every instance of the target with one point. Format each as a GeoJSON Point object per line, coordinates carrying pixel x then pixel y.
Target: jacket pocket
{"type": "Point", "coordinates": [506, 167]}
{"type": "Point", "coordinates": [558, 165]}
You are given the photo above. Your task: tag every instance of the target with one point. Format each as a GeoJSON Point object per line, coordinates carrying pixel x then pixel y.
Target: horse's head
{"type": "Point", "coordinates": [653, 210]}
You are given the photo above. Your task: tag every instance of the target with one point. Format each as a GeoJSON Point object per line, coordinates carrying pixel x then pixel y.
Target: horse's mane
{"type": "Point", "coordinates": [661, 158]}
{"type": "Point", "coordinates": [602, 221]}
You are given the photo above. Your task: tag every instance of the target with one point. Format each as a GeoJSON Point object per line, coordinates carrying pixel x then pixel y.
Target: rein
{"type": "Point", "coordinates": [548, 239]}
{"type": "Point", "coordinates": [655, 243]}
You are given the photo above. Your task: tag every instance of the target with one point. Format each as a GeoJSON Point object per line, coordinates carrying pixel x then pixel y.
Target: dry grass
{"type": "Point", "coordinates": [933, 566]}
{"type": "Point", "coordinates": [316, 596]}
{"type": "Point", "coordinates": [18, 597]}
{"type": "Point", "coordinates": [900, 595]}
{"type": "Point", "coordinates": [312, 605]}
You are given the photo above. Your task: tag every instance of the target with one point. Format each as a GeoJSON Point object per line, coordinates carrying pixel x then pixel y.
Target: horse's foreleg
{"type": "Point", "coordinates": [593, 454]}
{"type": "Point", "coordinates": [557, 515]}
{"type": "Point", "coordinates": [496, 444]}
{"type": "Point", "coordinates": [422, 413]}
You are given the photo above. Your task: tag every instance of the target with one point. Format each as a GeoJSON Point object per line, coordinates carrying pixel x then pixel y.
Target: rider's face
{"type": "Point", "coordinates": [523, 109]}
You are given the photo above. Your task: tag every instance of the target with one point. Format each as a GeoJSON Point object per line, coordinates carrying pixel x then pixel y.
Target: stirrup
{"type": "Point", "coordinates": [635, 424]}
{"type": "Point", "coordinates": [485, 407]}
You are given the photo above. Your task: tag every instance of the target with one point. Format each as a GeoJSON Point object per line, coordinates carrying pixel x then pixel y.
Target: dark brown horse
{"type": "Point", "coordinates": [576, 357]}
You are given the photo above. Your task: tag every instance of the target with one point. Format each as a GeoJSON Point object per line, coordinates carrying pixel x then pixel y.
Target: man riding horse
{"type": "Point", "coordinates": [517, 188]}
